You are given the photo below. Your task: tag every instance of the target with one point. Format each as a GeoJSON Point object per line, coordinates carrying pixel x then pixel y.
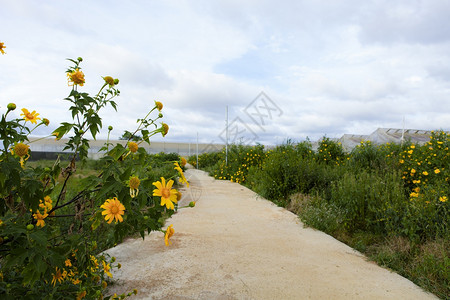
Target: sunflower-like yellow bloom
{"type": "Point", "coordinates": [113, 209]}
{"type": "Point", "coordinates": [109, 80]}
{"type": "Point", "coordinates": [75, 77]}
{"type": "Point", "coordinates": [40, 218]}
{"type": "Point", "coordinates": [32, 117]}
{"type": "Point", "coordinates": [169, 232]}
{"type": "Point", "coordinates": [180, 171]}
{"type": "Point", "coordinates": [21, 149]}
{"type": "Point", "coordinates": [158, 105]}
{"type": "Point", "coordinates": [57, 276]}
{"type": "Point", "coordinates": [167, 194]}
{"type": "Point", "coordinates": [133, 147]}
{"type": "Point", "coordinates": [107, 268]}
{"type": "Point", "coordinates": [164, 129]}
{"type": "Point", "coordinates": [2, 46]}
{"type": "Point", "coordinates": [183, 161]}
{"type": "Point", "coordinates": [134, 183]}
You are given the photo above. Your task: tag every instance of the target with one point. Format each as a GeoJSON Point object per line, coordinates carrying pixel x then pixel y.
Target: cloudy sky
{"type": "Point", "coordinates": [285, 69]}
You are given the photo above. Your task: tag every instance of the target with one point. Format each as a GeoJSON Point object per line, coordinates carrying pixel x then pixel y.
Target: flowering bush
{"type": "Point", "coordinates": [51, 237]}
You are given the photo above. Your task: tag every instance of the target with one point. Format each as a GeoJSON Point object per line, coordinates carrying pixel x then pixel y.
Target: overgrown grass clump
{"type": "Point", "coordinates": [389, 201]}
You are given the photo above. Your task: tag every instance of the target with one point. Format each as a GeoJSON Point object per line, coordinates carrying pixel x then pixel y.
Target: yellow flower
{"type": "Point", "coordinates": [21, 149]}
{"type": "Point", "coordinates": [425, 173]}
{"type": "Point", "coordinates": [443, 199]}
{"type": "Point", "coordinates": [165, 129]}
{"type": "Point", "coordinates": [81, 295]}
{"type": "Point", "coordinates": [106, 268]}
{"type": "Point", "coordinates": [134, 186]}
{"type": "Point", "coordinates": [2, 46]}
{"type": "Point", "coordinates": [158, 105]}
{"type": "Point", "coordinates": [109, 80]}
{"type": "Point", "coordinates": [183, 161]}
{"type": "Point", "coordinates": [75, 77]}
{"type": "Point", "coordinates": [133, 146]}
{"type": "Point", "coordinates": [413, 171]}
{"type": "Point", "coordinates": [57, 276]}
{"type": "Point", "coordinates": [104, 284]}
{"type": "Point", "coordinates": [167, 194]}
{"type": "Point", "coordinates": [113, 209]}
{"type": "Point", "coordinates": [437, 171]}
{"type": "Point", "coordinates": [402, 161]}
{"type": "Point", "coordinates": [68, 263]}
{"type": "Point", "coordinates": [47, 204]}
{"type": "Point", "coordinates": [180, 171]}
{"type": "Point", "coordinates": [169, 232]}
{"type": "Point", "coordinates": [94, 261]}
{"type": "Point", "coordinates": [32, 117]}
{"type": "Point", "coordinates": [40, 218]}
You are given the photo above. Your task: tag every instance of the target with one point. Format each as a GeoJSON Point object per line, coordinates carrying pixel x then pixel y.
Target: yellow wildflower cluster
{"type": "Point", "coordinates": [423, 166]}
{"type": "Point", "coordinates": [253, 157]}
{"type": "Point", "coordinates": [46, 206]}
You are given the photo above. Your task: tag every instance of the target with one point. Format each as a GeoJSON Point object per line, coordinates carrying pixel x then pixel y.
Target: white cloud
{"type": "Point", "coordinates": [333, 68]}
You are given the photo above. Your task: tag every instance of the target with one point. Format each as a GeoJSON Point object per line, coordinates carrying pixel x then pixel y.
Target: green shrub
{"type": "Point", "coordinates": [371, 201]}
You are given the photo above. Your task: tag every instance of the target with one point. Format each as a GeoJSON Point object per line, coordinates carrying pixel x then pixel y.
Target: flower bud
{"type": "Point", "coordinates": [79, 59]}
{"type": "Point", "coordinates": [110, 128]}
{"type": "Point", "coordinates": [45, 121]}
{"type": "Point", "coordinates": [116, 81]}
{"type": "Point", "coordinates": [192, 204]}
{"type": "Point", "coordinates": [11, 106]}
{"type": "Point", "coordinates": [160, 115]}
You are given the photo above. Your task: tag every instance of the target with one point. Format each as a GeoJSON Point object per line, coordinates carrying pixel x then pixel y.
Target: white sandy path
{"type": "Point", "coordinates": [236, 245]}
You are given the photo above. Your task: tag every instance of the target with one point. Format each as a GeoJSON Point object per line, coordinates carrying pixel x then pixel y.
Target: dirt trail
{"type": "Point", "coordinates": [236, 245]}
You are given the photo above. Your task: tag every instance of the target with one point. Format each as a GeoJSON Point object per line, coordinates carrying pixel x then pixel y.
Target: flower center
{"type": "Point", "coordinates": [30, 116]}
{"type": "Point", "coordinates": [114, 210]}
{"type": "Point", "coordinates": [165, 193]}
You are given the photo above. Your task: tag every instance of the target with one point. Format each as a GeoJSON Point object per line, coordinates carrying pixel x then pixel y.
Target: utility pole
{"type": "Point", "coordinates": [226, 138]}
{"type": "Point", "coordinates": [197, 149]}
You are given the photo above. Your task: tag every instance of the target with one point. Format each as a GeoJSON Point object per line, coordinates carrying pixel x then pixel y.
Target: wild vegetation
{"type": "Point", "coordinates": [388, 201]}
{"type": "Point", "coordinates": [56, 218]}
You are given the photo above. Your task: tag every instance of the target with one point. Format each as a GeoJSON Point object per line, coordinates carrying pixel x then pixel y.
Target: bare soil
{"type": "Point", "coordinates": [236, 245]}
